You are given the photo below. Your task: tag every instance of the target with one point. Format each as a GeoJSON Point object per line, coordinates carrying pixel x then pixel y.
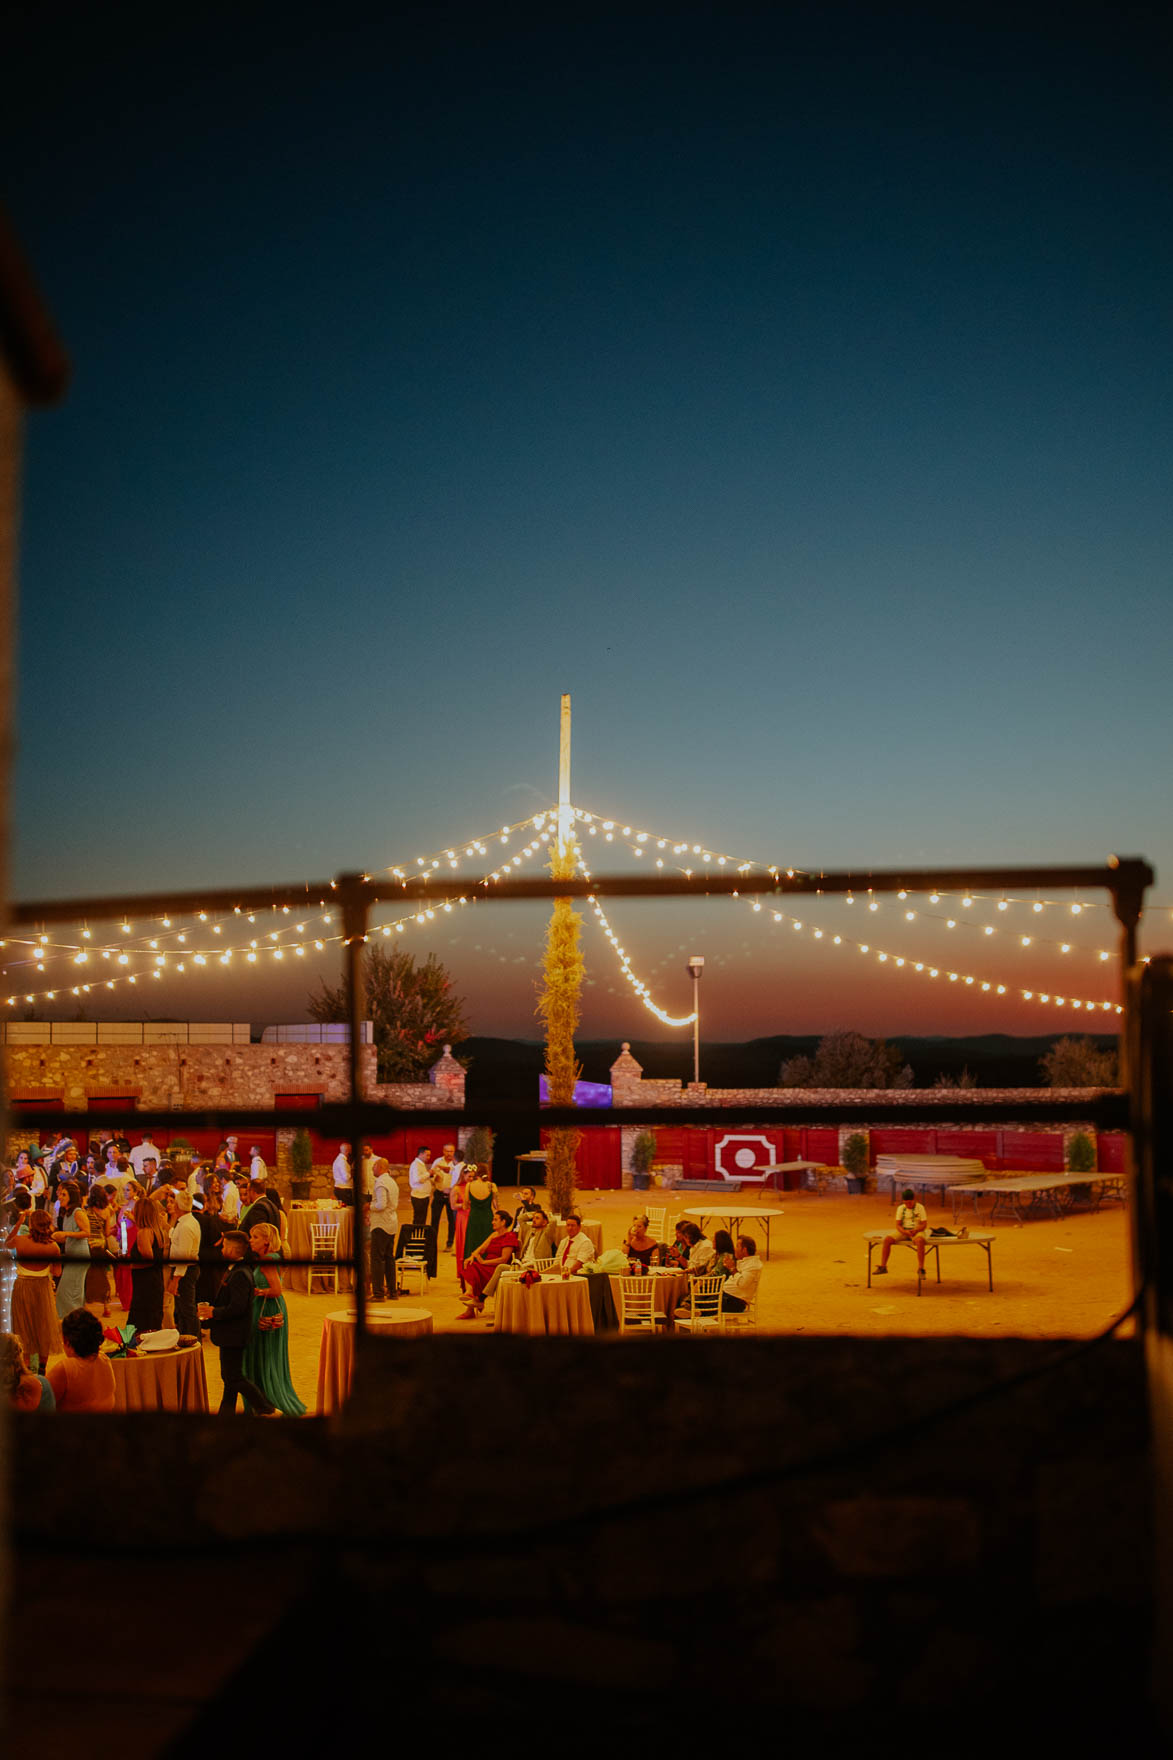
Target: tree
{"type": "Point", "coordinates": [413, 1009]}
{"type": "Point", "coordinates": [1076, 1063]}
{"type": "Point", "coordinates": [558, 1005]}
{"type": "Point", "coordinates": [964, 1080]}
{"type": "Point", "coordinates": [847, 1060]}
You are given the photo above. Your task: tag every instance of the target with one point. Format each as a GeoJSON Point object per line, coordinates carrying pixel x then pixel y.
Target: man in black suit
{"type": "Point", "coordinates": [231, 1315]}
{"type": "Point", "coordinates": [260, 1207]}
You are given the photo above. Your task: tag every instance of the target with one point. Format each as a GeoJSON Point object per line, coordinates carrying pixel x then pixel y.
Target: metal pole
{"type": "Point", "coordinates": [696, 1027]}
{"type": "Point", "coordinates": [354, 930]}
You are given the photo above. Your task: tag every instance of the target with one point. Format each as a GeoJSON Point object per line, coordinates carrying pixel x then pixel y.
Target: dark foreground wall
{"type": "Point", "coordinates": [513, 1526]}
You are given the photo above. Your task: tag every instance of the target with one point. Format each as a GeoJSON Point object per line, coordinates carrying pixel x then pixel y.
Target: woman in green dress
{"type": "Point", "coordinates": [481, 1196]}
{"type": "Point", "coordinates": [72, 1232]}
{"type": "Point", "coordinates": [266, 1355]}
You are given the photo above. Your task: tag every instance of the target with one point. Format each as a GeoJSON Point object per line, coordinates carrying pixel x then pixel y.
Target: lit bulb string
{"type": "Point", "coordinates": [637, 841]}
{"type": "Point", "coordinates": [637, 984]}
{"type": "Point", "coordinates": [903, 962]}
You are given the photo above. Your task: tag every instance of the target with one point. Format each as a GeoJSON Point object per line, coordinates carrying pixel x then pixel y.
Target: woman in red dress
{"type": "Point", "coordinates": [480, 1266]}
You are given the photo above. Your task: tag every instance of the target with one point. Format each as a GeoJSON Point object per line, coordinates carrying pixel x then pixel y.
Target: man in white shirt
{"type": "Point", "coordinates": [444, 1174]}
{"type": "Point", "coordinates": [419, 1178]}
{"type": "Point", "coordinates": [912, 1221]}
{"type": "Point", "coordinates": [384, 1226]}
{"type": "Point", "coordinates": [367, 1160]}
{"type": "Point", "coordinates": [141, 1154]}
{"type": "Point", "coordinates": [185, 1244]}
{"type": "Point", "coordinates": [741, 1288]}
{"type": "Point", "coordinates": [230, 1201]}
{"type": "Point", "coordinates": [577, 1250]}
{"type": "Point", "coordinates": [256, 1166]}
{"type": "Point", "coordinates": [343, 1184]}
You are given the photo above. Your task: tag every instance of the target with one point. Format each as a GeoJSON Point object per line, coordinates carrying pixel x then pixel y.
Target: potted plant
{"type": "Point", "coordinates": [1081, 1158]}
{"type": "Point", "coordinates": [643, 1153]}
{"type": "Point", "coordinates": [855, 1161]}
{"type": "Point", "coordinates": [478, 1147]}
{"type": "Point", "coordinates": [301, 1163]}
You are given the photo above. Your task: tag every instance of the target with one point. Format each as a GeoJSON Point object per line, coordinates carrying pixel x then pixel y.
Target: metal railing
{"type": "Point", "coordinates": [1125, 880]}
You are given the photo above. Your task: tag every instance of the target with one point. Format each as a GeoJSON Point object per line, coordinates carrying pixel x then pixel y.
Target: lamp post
{"type": "Point", "coordinates": [694, 968]}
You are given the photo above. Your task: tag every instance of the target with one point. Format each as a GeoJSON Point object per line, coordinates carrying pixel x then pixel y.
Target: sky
{"type": "Point", "coordinates": [790, 385]}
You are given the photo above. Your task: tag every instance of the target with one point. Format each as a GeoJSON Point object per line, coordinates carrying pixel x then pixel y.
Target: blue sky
{"type": "Point", "coordinates": [789, 385]}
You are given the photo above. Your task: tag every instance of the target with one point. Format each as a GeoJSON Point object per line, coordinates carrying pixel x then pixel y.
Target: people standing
{"type": "Point", "coordinates": [147, 1253]}
{"type": "Point", "coordinates": [384, 1228]}
{"type": "Point", "coordinates": [34, 1311]}
{"type": "Point", "coordinates": [443, 1175]}
{"type": "Point", "coordinates": [343, 1178]}
{"type": "Point", "coordinates": [141, 1154]}
{"type": "Point", "coordinates": [73, 1234]}
{"type": "Point", "coordinates": [184, 1270]}
{"type": "Point", "coordinates": [419, 1179]}
{"type": "Point", "coordinates": [480, 1193]}
{"type": "Point", "coordinates": [229, 1316]}
{"type": "Point", "coordinates": [266, 1355]}
{"type": "Point", "coordinates": [458, 1200]}
{"type": "Point", "coordinates": [103, 1247]}
{"type": "Point", "coordinates": [256, 1165]}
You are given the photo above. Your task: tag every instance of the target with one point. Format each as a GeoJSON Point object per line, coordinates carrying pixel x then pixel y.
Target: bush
{"type": "Point", "coordinates": [479, 1147]}
{"type": "Point", "coordinates": [643, 1152]}
{"type": "Point", "coordinates": [1081, 1154]}
{"type": "Point", "coordinates": [855, 1155]}
{"type": "Point", "coordinates": [301, 1154]}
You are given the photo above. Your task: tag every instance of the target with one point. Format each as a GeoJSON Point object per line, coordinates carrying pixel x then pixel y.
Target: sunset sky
{"type": "Point", "coordinates": [789, 384]}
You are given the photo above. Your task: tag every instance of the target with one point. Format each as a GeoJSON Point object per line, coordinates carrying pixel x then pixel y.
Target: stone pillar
{"type": "Point", "coordinates": [448, 1076]}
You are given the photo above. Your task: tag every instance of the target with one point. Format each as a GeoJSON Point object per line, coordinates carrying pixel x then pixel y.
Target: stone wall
{"type": "Point", "coordinates": [196, 1077]}
{"type": "Point", "coordinates": [898, 1535]}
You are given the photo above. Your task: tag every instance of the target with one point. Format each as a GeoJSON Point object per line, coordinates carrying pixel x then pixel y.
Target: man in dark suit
{"type": "Point", "coordinates": [231, 1316]}
{"type": "Point", "coordinates": [260, 1208]}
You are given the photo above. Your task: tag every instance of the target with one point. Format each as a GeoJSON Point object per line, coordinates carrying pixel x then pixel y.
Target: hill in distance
{"type": "Point", "coordinates": [511, 1067]}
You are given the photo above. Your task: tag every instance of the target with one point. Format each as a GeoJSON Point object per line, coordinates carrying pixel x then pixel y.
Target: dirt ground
{"type": "Point", "coordinates": [1052, 1279]}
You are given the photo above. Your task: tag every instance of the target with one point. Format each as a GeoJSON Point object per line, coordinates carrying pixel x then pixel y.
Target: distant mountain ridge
{"type": "Point", "coordinates": [996, 1060]}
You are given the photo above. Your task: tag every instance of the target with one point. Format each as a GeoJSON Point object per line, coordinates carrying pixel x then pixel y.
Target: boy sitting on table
{"type": "Point", "coordinates": [911, 1224]}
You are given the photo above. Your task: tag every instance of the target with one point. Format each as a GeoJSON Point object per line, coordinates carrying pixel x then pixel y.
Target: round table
{"type": "Point", "coordinates": [301, 1244]}
{"type": "Point", "coordinates": [161, 1381]}
{"type": "Point", "coordinates": [669, 1289]}
{"type": "Point", "coordinates": [336, 1353]}
{"type": "Point", "coordinates": [593, 1229]}
{"type": "Point", "coordinates": [555, 1305]}
{"type": "Point", "coordinates": [729, 1213]}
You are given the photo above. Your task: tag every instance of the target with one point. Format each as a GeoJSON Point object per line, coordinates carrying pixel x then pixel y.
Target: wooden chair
{"type": "Point", "coordinates": [637, 1305]}
{"type": "Point", "coordinates": [324, 1253]}
{"type": "Point", "coordinates": [656, 1220]}
{"type": "Point", "coordinates": [542, 1265]}
{"type": "Point", "coordinates": [705, 1305]}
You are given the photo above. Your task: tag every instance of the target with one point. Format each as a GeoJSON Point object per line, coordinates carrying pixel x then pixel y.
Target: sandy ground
{"type": "Point", "coordinates": [1052, 1279]}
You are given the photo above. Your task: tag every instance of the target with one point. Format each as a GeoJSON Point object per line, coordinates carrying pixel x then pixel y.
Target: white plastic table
{"type": "Point", "coordinates": [933, 1244]}
{"type": "Point", "coordinates": [730, 1213]}
{"type": "Point", "coordinates": [774, 1168]}
{"type": "Point", "coordinates": [1050, 1192]}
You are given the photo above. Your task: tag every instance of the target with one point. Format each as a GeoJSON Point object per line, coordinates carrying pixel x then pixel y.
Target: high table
{"type": "Point", "coordinates": [555, 1305]}
{"type": "Point", "coordinates": [301, 1244]}
{"type": "Point", "coordinates": [590, 1227]}
{"type": "Point", "coordinates": [729, 1213]}
{"type": "Point", "coordinates": [531, 1155]}
{"type": "Point", "coordinates": [161, 1381]}
{"type": "Point", "coordinates": [336, 1352]}
{"type": "Point", "coordinates": [933, 1244]}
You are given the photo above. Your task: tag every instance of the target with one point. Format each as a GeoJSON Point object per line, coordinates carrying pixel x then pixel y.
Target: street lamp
{"type": "Point", "coordinates": [694, 968]}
